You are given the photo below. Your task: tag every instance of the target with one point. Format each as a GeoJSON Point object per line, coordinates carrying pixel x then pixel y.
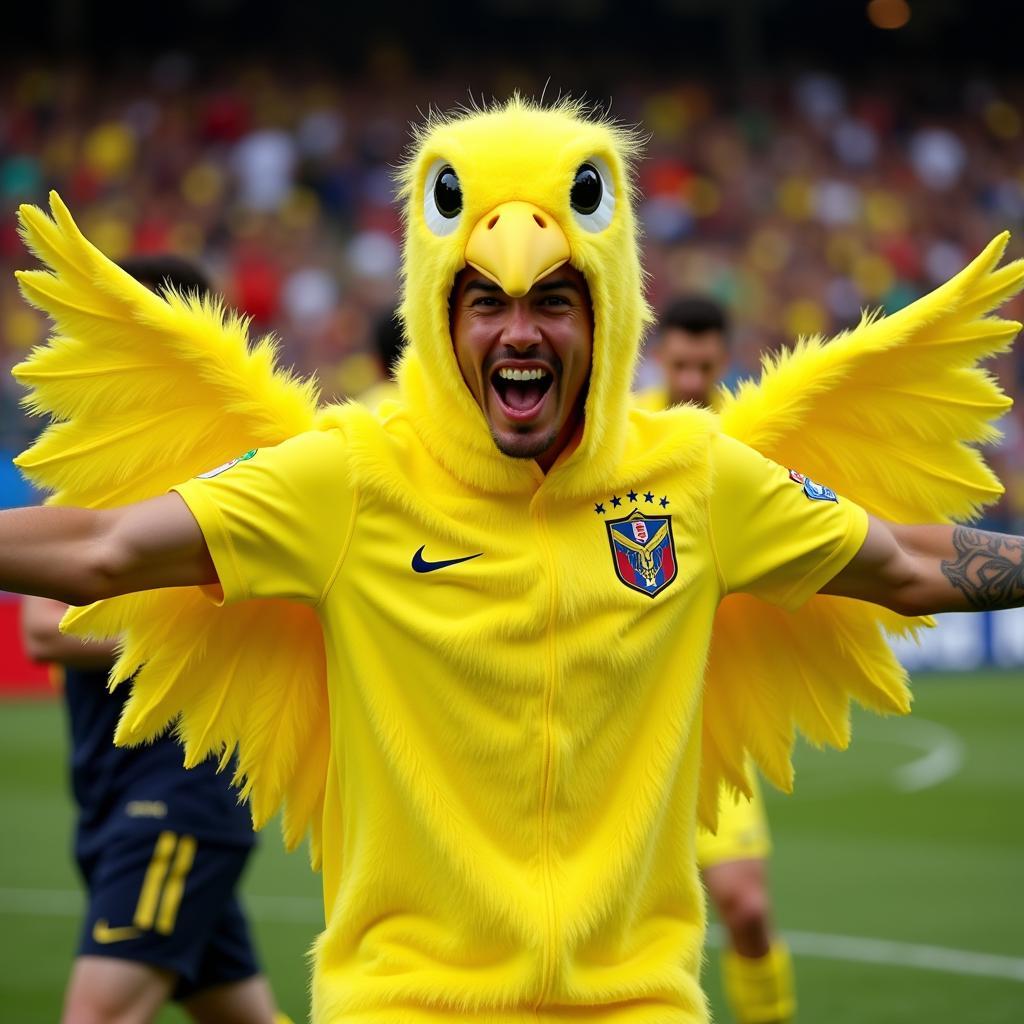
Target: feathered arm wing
{"type": "Point", "coordinates": [145, 391]}
{"type": "Point", "coordinates": [888, 415]}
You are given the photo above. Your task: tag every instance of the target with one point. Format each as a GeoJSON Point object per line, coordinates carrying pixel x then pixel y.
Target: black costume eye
{"type": "Point", "coordinates": [448, 193]}
{"type": "Point", "coordinates": [442, 198]}
{"type": "Point", "coordinates": [587, 190]}
{"type": "Point", "coordinates": [592, 197]}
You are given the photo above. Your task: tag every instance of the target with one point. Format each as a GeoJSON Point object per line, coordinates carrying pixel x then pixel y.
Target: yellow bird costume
{"type": "Point", "coordinates": [490, 710]}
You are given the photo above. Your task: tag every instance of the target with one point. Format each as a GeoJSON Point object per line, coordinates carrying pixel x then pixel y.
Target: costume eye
{"type": "Point", "coordinates": [592, 196]}
{"type": "Point", "coordinates": [442, 199]}
{"type": "Point", "coordinates": [586, 192]}
{"type": "Point", "coordinates": [448, 193]}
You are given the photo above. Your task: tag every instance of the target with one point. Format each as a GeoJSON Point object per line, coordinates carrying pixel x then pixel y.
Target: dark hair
{"type": "Point", "coordinates": [389, 340]}
{"type": "Point", "coordinates": [164, 270]}
{"type": "Point", "coordinates": [696, 314]}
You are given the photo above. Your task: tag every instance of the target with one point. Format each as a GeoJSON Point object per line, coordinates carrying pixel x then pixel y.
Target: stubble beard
{"type": "Point", "coordinates": [525, 446]}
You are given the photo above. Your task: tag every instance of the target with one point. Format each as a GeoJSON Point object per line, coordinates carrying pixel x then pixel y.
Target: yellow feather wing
{"type": "Point", "coordinates": [145, 391]}
{"type": "Point", "coordinates": [888, 415]}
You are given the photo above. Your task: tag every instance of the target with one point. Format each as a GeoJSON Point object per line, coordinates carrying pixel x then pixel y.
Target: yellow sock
{"type": "Point", "coordinates": [761, 991]}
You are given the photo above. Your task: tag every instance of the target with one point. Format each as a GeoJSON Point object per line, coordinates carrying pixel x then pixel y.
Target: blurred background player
{"type": "Point", "coordinates": [692, 353]}
{"type": "Point", "coordinates": [161, 850]}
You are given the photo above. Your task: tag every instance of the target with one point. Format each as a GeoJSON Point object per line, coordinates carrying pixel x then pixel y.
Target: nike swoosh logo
{"type": "Point", "coordinates": [420, 564]}
{"type": "Point", "coordinates": [104, 934]}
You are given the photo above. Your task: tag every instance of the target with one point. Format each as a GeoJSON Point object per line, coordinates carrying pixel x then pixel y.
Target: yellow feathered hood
{"type": "Point", "coordinates": [520, 153]}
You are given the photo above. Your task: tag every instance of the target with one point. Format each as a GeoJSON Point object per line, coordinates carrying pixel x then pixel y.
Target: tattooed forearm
{"type": "Point", "coordinates": [988, 569]}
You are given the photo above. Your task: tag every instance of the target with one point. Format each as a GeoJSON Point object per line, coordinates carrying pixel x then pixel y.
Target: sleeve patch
{"type": "Point", "coordinates": [816, 492]}
{"type": "Point", "coordinates": [211, 473]}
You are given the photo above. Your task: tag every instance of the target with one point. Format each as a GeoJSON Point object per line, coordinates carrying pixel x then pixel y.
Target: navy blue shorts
{"type": "Point", "coordinates": [169, 901]}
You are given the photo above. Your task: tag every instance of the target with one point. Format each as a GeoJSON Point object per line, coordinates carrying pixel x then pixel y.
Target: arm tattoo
{"type": "Point", "coordinates": [988, 569]}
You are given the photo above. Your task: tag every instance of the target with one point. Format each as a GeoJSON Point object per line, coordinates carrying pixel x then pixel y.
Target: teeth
{"type": "Point", "coordinates": [507, 373]}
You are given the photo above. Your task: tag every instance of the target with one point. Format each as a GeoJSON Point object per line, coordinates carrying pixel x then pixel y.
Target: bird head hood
{"type": "Point", "coordinates": [516, 191]}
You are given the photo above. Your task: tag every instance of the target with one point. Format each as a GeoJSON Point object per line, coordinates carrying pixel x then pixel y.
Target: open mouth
{"type": "Point", "coordinates": [521, 388]}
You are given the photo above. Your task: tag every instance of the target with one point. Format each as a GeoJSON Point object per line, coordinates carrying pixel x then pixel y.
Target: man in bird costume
{"type": "Point", "coordinates": [465, 640]}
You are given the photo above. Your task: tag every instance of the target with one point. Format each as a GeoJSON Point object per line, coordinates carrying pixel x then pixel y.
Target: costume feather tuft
{"type": "Point", "coordinates": [146, 391]}
{"type": "Point", "coordinates": [888, 415]}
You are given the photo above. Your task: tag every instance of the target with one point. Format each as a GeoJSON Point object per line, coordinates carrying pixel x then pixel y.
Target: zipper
{"type": "Point", "coordinates": [548, 771]}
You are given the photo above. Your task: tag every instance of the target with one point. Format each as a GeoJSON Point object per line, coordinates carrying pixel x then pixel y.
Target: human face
{"type": "Point", "coordinates": [546, 334]}
{"type": "Point", "coordinates": [693, 364]}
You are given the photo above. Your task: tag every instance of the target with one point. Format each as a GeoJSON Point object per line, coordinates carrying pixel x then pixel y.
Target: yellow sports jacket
{"type": "Point", "coordinates": [515, 691]}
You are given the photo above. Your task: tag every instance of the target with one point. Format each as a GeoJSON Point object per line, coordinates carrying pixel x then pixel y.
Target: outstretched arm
{"type": "Point", "coordinates": [920, 570]}
{"type": "Point", "coordinates": [83, 555]}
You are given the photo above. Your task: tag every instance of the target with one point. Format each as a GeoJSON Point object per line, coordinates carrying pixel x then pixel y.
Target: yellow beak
{"type": "Point", "coordinates": [515, 245]}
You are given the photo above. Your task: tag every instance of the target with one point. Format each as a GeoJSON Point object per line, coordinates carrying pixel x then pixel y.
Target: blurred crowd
{"type": "Point", "coordinates": [797, 201]}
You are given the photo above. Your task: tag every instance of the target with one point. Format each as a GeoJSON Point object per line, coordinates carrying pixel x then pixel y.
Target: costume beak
{"type": "Point", "coordinates": [515, 245]}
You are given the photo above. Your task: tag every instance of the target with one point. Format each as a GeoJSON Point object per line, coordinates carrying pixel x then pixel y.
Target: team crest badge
{"type": "Point", "coordinates": [643, 550]}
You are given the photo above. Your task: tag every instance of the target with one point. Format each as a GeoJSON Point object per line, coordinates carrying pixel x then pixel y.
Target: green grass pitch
{"type": "Point", "coordinates": [898, 870]}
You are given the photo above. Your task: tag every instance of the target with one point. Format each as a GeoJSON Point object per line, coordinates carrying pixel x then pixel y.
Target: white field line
{"type": "Point", "coordinates": [937, 753]}
{"type": "Point", "coordinates": [855, 949]}
{"type": "Point", "coordinates": [848, 948]}
{"type": "Point", "coordinates": [942, 755]}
